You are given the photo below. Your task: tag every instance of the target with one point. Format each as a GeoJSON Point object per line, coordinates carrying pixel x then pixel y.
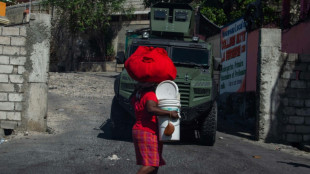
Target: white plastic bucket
{"type": "Point", "coordinates": [168, 96]}
{"type": "Point", "coordinates": [168, 105]}
{"type": "Point", "coordinates": [167, 90]}
{"type": "Point", "coordinates": [163, 122]}
{"type": "Point", "coordinates": [171, 102]}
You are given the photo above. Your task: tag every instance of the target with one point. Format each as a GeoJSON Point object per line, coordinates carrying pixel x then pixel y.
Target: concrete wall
{"type": "Point", "coordinates": [293, 98]}
{"type": "Point", "coordinates": [240, 108]}
{"type": "Point", "coordinates": [251, 61]}
{"type": "Point", "coordinates": [283, 91]}
{"type": "Point", "coordinates": [16, 15]}
{"type": "Point", "coordinates": [24, 60]}
{"type": "Point", "coordinates": [294, 83]}
{"type": "Point", "coordinates": [215, 41]}
{"type": "Point", "coordinates": [296, 39]}
{"type": "Point", "coordinates": [268, 72]}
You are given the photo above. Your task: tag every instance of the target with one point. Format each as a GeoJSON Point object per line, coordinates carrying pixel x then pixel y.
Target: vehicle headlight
{"type": "Point", "coordinates": [145, 35]}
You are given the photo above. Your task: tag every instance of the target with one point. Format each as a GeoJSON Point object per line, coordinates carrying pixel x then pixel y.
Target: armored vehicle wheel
{"type": "Point", "coordinates": [121, 121]}
{"type": "Point", "coordinates": [208, 127]}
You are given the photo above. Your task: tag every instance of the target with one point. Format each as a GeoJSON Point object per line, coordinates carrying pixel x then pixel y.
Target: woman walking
{"type": "Point", "coordinates": [149, 66]}
{"type": "Point", "coordinates": [148, 148]}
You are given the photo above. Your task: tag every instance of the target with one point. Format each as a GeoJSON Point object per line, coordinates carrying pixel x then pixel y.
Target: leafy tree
{"type": "Point", "coordinates": [6, 1]}
{"type": "Point", "coordinates": [9, 2]}
{"type": "Point", "coordinates": [257, 12]}
{"type": "Point", "coordinates": [224, 11]}
{"type": "Point", "coordinates": [89, 16]}
{"type": "Point", "coordinates": [221, 12]}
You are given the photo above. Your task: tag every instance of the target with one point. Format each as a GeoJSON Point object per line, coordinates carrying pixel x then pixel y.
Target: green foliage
{"type": "Point", "coordinates": [9, 2]}
{"type": "Point", "coordinates": [222, 12]}
{"type": "Point", "coordinates": [215, 15]}
{"type": "Point", "coordinates": [90, 16]}
{"type": "Point", "coordinates": [110, 52]}
{"type": "Point", "coordinates": [270, 15]}
{"type": "Point", "coordinates": [87, 15]}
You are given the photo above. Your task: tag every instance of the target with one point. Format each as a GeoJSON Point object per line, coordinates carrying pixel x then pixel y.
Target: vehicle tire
{"type": "Point", "coordinates": [208, 128]}
{"type": "Point", "coordinates": [121, 121]}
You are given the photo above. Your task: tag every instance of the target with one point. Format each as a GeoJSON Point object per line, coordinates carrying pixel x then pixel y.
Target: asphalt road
{"type": "Point", "coordinates": [80, 142]}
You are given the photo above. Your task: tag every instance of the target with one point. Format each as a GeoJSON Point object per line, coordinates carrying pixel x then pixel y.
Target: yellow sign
{"type": "Point", "coordinates": [2, 8]}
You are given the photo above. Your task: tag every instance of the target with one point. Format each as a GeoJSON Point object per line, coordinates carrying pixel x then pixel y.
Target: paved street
{"type": "Point", "coordinates": [79, 141]}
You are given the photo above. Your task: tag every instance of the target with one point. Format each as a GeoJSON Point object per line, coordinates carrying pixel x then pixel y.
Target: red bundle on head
{"type": "Point", "coordinates": [149, 64]}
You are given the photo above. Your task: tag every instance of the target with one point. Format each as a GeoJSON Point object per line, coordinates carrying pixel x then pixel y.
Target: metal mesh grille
{"type": "Point", "coordinates": [184, 89]}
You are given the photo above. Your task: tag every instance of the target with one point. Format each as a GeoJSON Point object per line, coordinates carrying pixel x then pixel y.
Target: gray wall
{"type": "Point", "coordinates": [292, 97]}
{"type": "Point", "coordinates": [268, 71]}
{"type": "Point", "coordinates": [16, 15]}
{"type": "Point", "coordinates": [24, 61]}
{"type": "Point", "coordinates": [284, 92]}
{"type": "Point", "coordinates": [215, 41]}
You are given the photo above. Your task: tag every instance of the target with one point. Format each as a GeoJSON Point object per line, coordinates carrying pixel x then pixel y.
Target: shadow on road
{"type": "Point", "coordinates": [188, 137]}
{"type": "Point", "coordinates": [295, 164]}
{"type": "Point", "coordinates": [236, 127]}
{"type": "Point", "coordinates": [107, 133]}
{"type": "Point", "coordinates": [113, 76]}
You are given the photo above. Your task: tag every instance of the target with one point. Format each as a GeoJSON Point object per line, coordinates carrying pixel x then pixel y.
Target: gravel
{"type": "Point", "coordinates": [86, 85]}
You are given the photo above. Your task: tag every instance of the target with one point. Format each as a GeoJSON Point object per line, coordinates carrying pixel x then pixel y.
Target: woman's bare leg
{"type": "Point", "coordinates": [147, 170]}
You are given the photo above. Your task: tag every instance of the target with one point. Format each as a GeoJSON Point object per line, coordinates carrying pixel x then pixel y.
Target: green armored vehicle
{"type": "Point", "coordinates": [171, 28]}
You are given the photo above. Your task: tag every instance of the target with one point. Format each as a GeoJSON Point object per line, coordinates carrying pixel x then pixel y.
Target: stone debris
{"type": "Point", "coordinates": [2, 140]}
{"type": "Point", "coordinates": [61, 110]}
{"type": "Point", "coordinates": [113, 157]}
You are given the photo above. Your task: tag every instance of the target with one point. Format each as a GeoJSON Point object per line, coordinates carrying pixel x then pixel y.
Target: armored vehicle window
{"type": "Point", "coordinates": [160, 14]}
{"type": "Point", "coordinates": [181, 16]}
{"type": "Point", "coordinates": [185, 55]}
{"type": "Point", "coordinates": [134, 48]}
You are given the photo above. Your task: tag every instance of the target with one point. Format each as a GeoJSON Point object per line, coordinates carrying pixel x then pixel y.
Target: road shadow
{"type": "Point", "coordinates": [295, 164]}
{"type": "Point", "coordinates": [237, 114]}
{"type": "Point", "coordinates": [107, 133]}
{"type": "Point", "coordinates": [113, 76]}
{"type": "Point", "coordinates": [236, 127]}
{"type": "Point", "coordinates": [188, 136]}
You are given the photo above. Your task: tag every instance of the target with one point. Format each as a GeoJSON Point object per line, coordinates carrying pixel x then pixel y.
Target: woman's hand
{"type": "Point", "coordinates": [174, 114]}
{"type": "Point", "coordinates": [151, 107]}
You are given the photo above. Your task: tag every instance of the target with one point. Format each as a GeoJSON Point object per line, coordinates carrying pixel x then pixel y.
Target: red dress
{"type": "Point", "coordinates": [145, 133]}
